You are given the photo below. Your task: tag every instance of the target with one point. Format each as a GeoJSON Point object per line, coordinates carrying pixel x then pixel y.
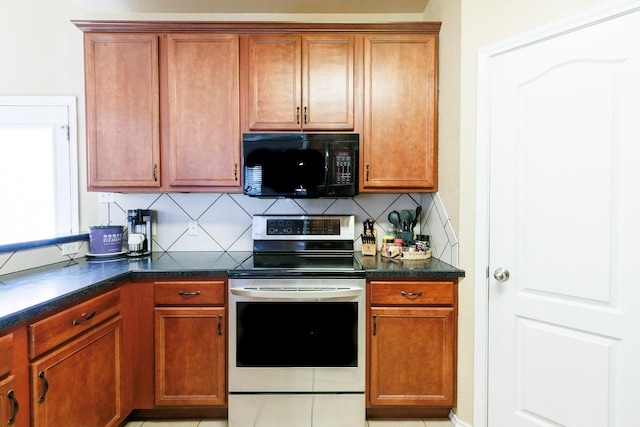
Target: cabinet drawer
{"type": "Point", "coordinates": [6, 354]}
{"type": "Point", "coordinates": [412, 293]}
{"type": "Point", "coordinates": [54, 330]}
{"type": "Point", "coordinates": [190, 293]}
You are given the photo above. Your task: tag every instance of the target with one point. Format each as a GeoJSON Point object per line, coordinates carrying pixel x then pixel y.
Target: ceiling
{"type": "Point", "coordinates": [255, 6]}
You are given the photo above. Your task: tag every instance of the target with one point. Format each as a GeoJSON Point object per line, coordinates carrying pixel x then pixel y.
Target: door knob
{"type": "Point", "coordinates": [501, 274]}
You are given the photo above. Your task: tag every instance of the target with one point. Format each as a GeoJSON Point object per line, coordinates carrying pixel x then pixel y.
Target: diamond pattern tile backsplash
{"type": "Point", "coordinates": [224, 221]}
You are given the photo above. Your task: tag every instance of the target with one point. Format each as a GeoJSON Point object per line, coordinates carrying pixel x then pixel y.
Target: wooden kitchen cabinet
{"type": "Point", "coordinates": [190, 343]}
{"type": "Point", "coordinates": [203, 126]}
{"type": "Point", "coordinates": [300, 82]}
{"type": "Point", "coordinates": [412, 348]}
{"type": "Point", "coordinates": [400, 129]}
{"type": "Point", "coordinates": [8, 398]}
{"type": "Point", "coordinates": [122, 111]}
{"type": "Point", "coordinates": [163, 112]}
{"type": "Point", "coordinates": [80, 383]}
{"type": "Point", "coordinates": [9, 406]}
{"type": "Point", "coordinates": [76, 371]}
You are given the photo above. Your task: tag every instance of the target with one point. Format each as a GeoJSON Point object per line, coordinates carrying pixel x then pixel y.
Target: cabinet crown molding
{"type": "Point", "coordinates": [253, 27]}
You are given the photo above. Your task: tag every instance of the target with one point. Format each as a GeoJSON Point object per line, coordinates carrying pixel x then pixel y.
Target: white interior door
{"type": "Point", "coordinates": [564, 328]}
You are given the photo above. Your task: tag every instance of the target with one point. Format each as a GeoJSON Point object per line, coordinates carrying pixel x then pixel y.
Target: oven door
{"type": "Point", "coordinates": [297, 335]}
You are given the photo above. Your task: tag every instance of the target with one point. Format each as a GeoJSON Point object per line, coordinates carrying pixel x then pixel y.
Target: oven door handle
{"type": "Point", "coordinates": [297, 293]}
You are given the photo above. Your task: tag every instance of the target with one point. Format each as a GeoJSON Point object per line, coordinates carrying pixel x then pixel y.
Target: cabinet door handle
{"type": "Point", "coordinates": [14, 401]}
{"type": "Point", "coordinates": [220, 324]}
{"type": "Point", "coordinates": [155, 172]}
{"type": "Point", "coordinates": [305, 115]}
{"type": "Point", "coordinates": [375, 324]}
{"type": "Point", "coordinates": [45, 385]}
{"type": "Point", "coordinates": [411, 294]}
{"type": "Point", "coordinates": [77, 322]}
{"type": "Point", "coordinates": [297, 115]}
{"type": "Point", "coordinates": [367, 168]}
{"type": "Point", "coordinates": [235, 171]}
{"type": "Point", "coordinates": [188, 294]}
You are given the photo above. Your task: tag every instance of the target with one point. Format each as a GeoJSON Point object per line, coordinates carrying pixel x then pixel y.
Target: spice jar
{"type": "Point", "coordinates": [422, 242]}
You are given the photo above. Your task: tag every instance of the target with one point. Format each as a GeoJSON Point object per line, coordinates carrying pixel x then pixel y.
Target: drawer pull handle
{"type": "Point", "coordinates": [45, 385]}
{"type": "Point", "coordinates": [14, 401]}
{"type": "Point", "coordinates": [375, 324]}
{"type": "Point", "coordinates": [188, 294]}
{"type": "Point", "coordinates": [220, 324]}
{"type": "Point", "coordinates": [84, 319]}
{"type": "Point", "coordinates": [411, 294]}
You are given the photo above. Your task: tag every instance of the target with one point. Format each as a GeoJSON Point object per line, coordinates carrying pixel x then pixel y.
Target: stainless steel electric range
{"type": "Point", "coordinates": [296, 325]}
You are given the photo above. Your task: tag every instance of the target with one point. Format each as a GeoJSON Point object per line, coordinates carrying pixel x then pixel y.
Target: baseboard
{"type": "Point", "coordinates": [456, 422]}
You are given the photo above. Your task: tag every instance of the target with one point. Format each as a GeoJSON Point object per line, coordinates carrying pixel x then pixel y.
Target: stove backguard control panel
{"type": "Point", "coordinates": [303, 227]}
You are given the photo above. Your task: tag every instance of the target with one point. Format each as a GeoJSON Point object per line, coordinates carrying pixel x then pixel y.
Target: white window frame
{"type": "Point", "coordinates": [69, 159]}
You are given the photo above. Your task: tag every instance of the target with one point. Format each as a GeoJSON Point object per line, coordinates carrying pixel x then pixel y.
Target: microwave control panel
{"type": "Point", "coordinates": [343, 173]}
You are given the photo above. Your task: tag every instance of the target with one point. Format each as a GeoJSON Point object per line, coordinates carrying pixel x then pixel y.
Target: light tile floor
{"type": "Point", "coordinates": [223, 423]}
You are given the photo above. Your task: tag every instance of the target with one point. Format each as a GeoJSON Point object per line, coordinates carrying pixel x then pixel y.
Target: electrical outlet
{"type": "Point", "coordinates": [106, 198]}
{"type": "Point", "coordinates": [70, 248]}
{"type": "Point", "coordinates": [193, 228]}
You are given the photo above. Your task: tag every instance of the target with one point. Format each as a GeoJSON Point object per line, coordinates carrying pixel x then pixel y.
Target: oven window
{"type": "Point", "coordinates": [300, 334]}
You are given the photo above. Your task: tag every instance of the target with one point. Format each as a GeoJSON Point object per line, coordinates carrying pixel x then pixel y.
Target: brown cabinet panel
{"type": "Point", "coordinates": [274, 82]}
{"type": "Point", "coordinates": [400, 113]}
{"type": "Point", "coordinates": [300, 82]}
{"type": "Point", "coordinates": [204, 112]}
{"type": "Point", "coordinates": [123, 112]}
{"type": "Point", "coordinates": [190, 293]}
{"type": "Point", "coordinates": [412, 293]}
{"type": "Point", "coordinates": [327, 82]}
{"type": "Point", "coordinates": [190, 356]}
{"type": "Point", "coordinates": [6, 354]}
{"type": "Point", "coordinates": [58, 328]}
{"type": "Point", "coordinates": [412, 357]}
{"type": "Point", "coordinates": [80, 383]}
{"type": "Point", "coordinates": [9, 405]}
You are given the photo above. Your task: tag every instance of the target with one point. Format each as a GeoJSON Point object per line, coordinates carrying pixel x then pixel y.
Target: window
{"type": "Point", "coordinates": [38, 168]}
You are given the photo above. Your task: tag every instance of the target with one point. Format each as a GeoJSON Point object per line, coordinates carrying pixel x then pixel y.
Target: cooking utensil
{"type": "Point", "coordinates": [416, 217]}
{"type": "Point", "coordinates": [406, 218]}
{"type": "Point", "coordinates": [394, 218]}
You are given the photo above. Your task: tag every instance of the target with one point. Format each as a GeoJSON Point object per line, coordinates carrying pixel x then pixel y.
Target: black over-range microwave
{"type": "Point", "coordinates": [300, 165]}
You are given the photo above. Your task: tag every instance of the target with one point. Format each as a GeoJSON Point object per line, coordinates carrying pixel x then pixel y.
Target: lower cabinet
{"type": "Point", "coordinates": [76, 365]}
{"type": "Point", "coordinates": [412, 346]}
{"type": "Point", "coordinates": [190, 343]}
{"type": "Point", "coordinates": [79, 384]}
{"type": "Point", "coordinates": [8, 401]}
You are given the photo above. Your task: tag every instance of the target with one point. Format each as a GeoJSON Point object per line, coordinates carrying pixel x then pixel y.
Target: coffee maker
{"type": "Point", "coordinates": [139, 241]}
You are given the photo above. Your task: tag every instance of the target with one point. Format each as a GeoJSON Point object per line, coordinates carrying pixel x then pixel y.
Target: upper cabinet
{"type": "Point", "coordinates": [163, 112]}
{"type": "Point", "coordinates": [400, 134]}
{"type": "Point", "coordinates": [203, 126]}
{"type": "Point", "coordinates": [123, 110]}
{"type": "Point", "coordinates": [167, 102]}
{"type": "Point", "coordinates": [299, 83]}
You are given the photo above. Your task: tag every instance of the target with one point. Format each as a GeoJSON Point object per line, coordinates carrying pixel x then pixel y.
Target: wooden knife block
{"type": "Point", "coordinates": [370, 249]}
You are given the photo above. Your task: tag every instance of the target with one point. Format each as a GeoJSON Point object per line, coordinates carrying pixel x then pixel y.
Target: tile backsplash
{"type": "Point", "coordinates": [224, 222]}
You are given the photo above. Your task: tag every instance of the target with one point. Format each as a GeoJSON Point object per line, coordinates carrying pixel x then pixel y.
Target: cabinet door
{"type": "Point", "coordinates": [327, 82]}
{"type": "Point", "coordinates": [190, 356]}
{"type": "Point", "coordinates": [8, 402]}
{"type": "Point", "coordinates": [204, 111]}
{"type": "Point", "coordinates": [122, 101]}
{"type": "Point", "coordinates": [274, 79]}
{"type": "Point", "coordinates": [412, 356]}
{"type": "Point", "coordinates": [400, 113]}
{"type": "Point", "coordinates": [80, 384]}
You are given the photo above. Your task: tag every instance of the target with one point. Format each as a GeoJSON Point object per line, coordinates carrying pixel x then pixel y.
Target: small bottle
{"type": "Point", "coordinates": [422, 242]}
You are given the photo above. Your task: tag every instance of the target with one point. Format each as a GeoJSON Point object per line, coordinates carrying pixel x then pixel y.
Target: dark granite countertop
{"type": "Point", "coordinates": [379, 266]}
{"type": "Point", "coordinates": [32, 292]}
